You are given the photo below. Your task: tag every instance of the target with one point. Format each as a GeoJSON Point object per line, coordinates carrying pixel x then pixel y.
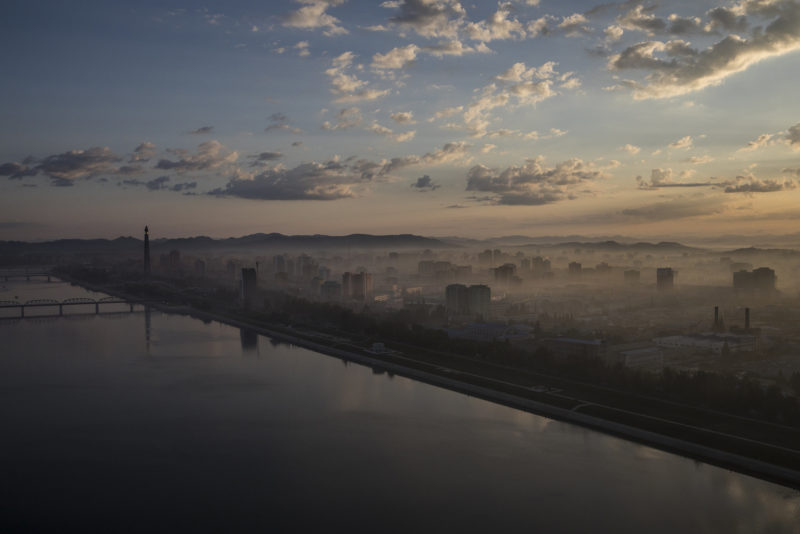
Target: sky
{"type": "Point", "coordinates": [433, 117]}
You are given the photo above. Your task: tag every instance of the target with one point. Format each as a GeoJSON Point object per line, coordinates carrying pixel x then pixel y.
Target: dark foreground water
{"type": "Point", "coordinates": [153, 422]}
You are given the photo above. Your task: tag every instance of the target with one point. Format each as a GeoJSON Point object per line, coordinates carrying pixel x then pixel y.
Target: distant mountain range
{"type": "Point", "coordinates": [312, 243]}
{"type": "Point", "coordinates": [128, 245]}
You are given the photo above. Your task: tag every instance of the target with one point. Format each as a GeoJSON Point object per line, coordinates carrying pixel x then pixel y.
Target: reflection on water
{"type": "Point", "coordinates": [220, 429]}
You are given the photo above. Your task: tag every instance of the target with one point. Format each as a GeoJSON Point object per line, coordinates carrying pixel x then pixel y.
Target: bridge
{"type": "Point", "coordinates": [60, 304]}
{"type": "Point", "coordinates": [27, 275]}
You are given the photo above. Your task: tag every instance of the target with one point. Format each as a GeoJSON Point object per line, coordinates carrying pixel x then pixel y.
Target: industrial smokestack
{"type": "Point", "coordinates": [747, 318]}
{"type": "Point", "coordinates": [716, 316]}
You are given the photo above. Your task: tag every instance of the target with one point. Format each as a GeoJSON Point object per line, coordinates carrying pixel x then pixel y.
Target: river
{"type": "Point", "coordinates": [146, 421]}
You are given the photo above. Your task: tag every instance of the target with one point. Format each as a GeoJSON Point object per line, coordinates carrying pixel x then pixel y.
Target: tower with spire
{"type": "Point", "coordinates": [146, 253]}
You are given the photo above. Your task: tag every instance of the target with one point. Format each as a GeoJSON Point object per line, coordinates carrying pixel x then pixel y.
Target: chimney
{"type": "Point", "coordinates": [747, 318]}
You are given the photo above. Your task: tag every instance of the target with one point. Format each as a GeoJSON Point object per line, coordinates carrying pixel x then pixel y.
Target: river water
{"type": "Point", "coordinates": [156, 422]}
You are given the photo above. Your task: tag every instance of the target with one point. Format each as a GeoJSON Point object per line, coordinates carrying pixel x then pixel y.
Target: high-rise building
{"type": "Point", "coordinates": [761, 280]}
{"type": "Point", "coordinates": [479, 297]}
{"type": "Point", "coordinates": [146, 252]}
{"type": "Point", "coordinates": [362, 286]}
{"type": "Point", "coordinates": [575, 268]}
{"type": "Point", "coordinates": [665, 278]}
{"type": "Point", "coordinates": [347, 286]}
{"type": "Point", "coordinates": [457, 299]}
{"type": "Point", "coordinates": [249, 287]}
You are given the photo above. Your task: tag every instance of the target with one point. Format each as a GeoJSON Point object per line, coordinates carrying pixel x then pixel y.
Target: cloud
{"type": "Point", "coordinates": [403, 117]}
{"type": "Point", "coordinates": [160, 184]}
{"type": "Point", "coordinates": [526, 86]}
{"type": "Point", "coordinates": [264, 157]}
{"type": "Point", "coordinates": [425, 184]}
{"type": "Point", "coordinates": [676, 208]}
{"type": "Point", "coordinates": [751, 184]}
{"type": "Point", "coordinates": [446, 112]}
{"type": "Point", "coordinates": [280, 122]}
{"type": "Point", "coordinates": [209, 155]}
{"type": "Point", "coordinates": [143, 152]}
{"type": "Point", "coordinates": [396, 58]}
{"type": "Point", "coordinates": [760, 142]}
{"type": "Point", "coordinates": [574, 25]}
{"type": "Point", "coordinates": [630, 149]}
{"type": "Point", "coordinates": [346, 118]}
{"type": "Point", "coordinates": [388, 132]}
{"type": "Point", "coordinates": [17, 171]}
{"type": "Point", "coordinates": [302, 49]}
{"type": "Point", "coordinates": [613, 33]}
{"type": "Point", "coordinates": [660, 178]}
{"type": "Point", "coordinates": [498, 27]}
{"type": "Point", "coordinates": [532, 183]}
{"type": "Point", "coordinates": [348, 87]}
{"type": "Point", "coordinates": [330, 180]}
{"type": "Point", "coordinates": [700, 160]}
{"type": "Point", "coordinates": [682, 143]}
{"type": "Point", "coordinates": [313, 16]}
{"type": "Point", "coordinates": [64, 168]}
{"type": "Point", "coordinates": [202, 130]}
{"type": "Point", "coordinates": [638, 19]}
{"type": "Point", "coordinates": [454, 48]}
{"type": "Point", "coordinates": [429, 18]}
{"type": "Point", "coordinates": [674, 68]}
{"type": "Point", "coordinates": [793, 136]}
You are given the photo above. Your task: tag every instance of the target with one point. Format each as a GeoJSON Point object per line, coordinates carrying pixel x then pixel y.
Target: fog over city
{"type": "Point", "coordinates": [409, 265]}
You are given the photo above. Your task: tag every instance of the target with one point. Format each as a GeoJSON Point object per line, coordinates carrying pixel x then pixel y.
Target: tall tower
{"type": "Point", "coordinates": [146, 253]}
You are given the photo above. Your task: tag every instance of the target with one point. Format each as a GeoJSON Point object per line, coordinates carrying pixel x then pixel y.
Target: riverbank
{"type": "Point", "coordinates": [761, 459]}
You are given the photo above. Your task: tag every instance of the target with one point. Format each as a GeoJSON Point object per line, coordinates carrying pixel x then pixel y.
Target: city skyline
{"type": "Point", "coordinates": [430, 117]}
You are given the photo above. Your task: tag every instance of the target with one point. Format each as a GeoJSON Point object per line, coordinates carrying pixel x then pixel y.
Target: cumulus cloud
{"type": "Point", "coordinates": [533, 183]}
{"type": "Point", "coordinates": [574, 25]}
{"type": "Point", "coordinates": [518, 85]}
{"type": "Point", "coordinates": [302, 49]}
{"type": "Point", "coordinates": [498, 27]}
{"type": "Point", "coordinates": [793, 136]}
{"type": "Point", "coordinates": [760, 142]}
{"type": "Point", "coordinates": [347, 87]}
{"type": "Point", "coordinates": [403, 117]}
{"type": "Point", "coordinates": [67, 167]}
{"type": "Point", "coordinates": [346, 118]}
{"type": "Point", "coordinates": [630, 149]}
{"type": "Point", "coordinates": [160, 183]}
{"type": "Point", "coordinates": [331, 180]}
{"type": "Point", "coordinates": [683, 143]}
{"type": "Point", "coordinates": [752, 184]}
{"type": "Point", "coordinates": [454, 47]}
{"type": "Point", "coordinates": [396, 58]}
{"type": "Point", "coordinates": [17, 171]}
{"type": "Point", "coordinates": [209, 155]}
{"type": "Point", "coordinates": [388, 132]}
{"type": "Point", "coordinates": [674, 68]}
{"type": "Point", "coordinates": [429, 18]}
{"type": "Point", "coordinates": [313, 15]}
{"type": "Point", "coordinates": [425, 184]}
{"type": "Point", "coordinates": [144, 152]}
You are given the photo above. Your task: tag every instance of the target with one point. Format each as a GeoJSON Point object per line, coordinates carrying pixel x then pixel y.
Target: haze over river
{"type": "Point", "coordinates": [156, 422]}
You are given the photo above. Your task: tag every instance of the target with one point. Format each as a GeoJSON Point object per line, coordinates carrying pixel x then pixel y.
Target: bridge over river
{"type": "Point", "coordinates": [96, 305]}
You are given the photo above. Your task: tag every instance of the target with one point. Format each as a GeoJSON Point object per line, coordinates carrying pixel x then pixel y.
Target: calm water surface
{"type": "Point", "coordinates": [155, 422]}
